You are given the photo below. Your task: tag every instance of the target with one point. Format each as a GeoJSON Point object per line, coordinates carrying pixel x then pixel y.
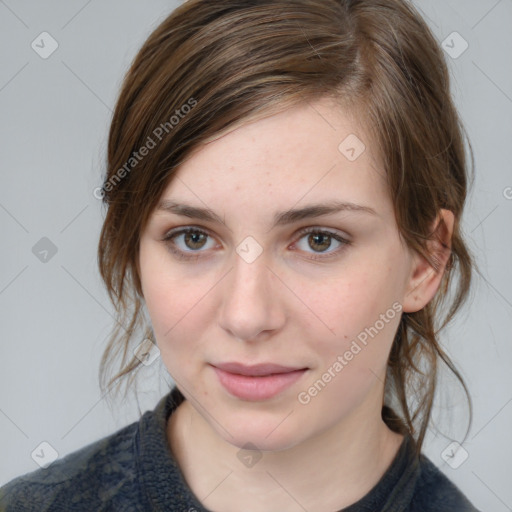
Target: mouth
{"type": "Point", "coordinates": [256, 382]}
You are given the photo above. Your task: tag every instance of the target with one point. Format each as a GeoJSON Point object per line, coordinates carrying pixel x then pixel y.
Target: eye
{"type": "Point", "coordinates": [320, 241]}
{"type": "Point", "coordinates": [184, 242]}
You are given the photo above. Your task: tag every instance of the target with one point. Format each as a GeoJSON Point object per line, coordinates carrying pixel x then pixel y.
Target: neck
{"type": "Point", "coordinates": [328, 472]}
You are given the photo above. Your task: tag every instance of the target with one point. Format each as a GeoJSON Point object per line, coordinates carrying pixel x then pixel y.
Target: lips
{"type": "Point", "coordinates": [256, 382]}
{"type": "Point", "coordinates": [256, 370]}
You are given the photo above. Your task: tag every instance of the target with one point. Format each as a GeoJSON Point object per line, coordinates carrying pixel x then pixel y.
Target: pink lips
{"type": "Point", "coordinates": [256, 382]}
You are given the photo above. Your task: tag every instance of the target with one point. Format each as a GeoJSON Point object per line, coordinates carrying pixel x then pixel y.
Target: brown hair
{"type": "Point", "coordinates": [230, 61]}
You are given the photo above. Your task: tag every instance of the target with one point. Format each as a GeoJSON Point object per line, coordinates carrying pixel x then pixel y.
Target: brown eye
{"type": "Point", "coordinates": [194, 240]}
{"type": "Point", "coordinates": [320, 241]}
{"type": "Point", "coordinates": [187, 243]}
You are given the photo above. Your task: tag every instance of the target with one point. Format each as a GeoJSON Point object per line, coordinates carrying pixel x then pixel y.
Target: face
{"type": "Point", "coordinates": [320, 296]}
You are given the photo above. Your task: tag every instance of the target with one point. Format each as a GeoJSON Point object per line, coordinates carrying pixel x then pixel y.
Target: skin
{"type": "Point", "coordinates": [285, 308]}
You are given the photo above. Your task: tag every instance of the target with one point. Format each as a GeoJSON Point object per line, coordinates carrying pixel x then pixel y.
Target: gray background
{"type": "Point", "coordinates": [54, 117]}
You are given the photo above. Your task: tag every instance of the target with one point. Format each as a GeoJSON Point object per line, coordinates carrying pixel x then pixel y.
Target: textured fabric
{"type": "Point", "coordinates": [133, 470]}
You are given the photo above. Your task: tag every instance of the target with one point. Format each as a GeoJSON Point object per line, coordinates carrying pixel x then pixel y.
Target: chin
{"type": "Point", "coordinates": [267, 432]}
{"type": "Point", "coordinates": [260, 442]}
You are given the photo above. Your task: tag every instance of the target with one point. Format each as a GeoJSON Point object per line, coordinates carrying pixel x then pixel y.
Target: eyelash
{"type": "Point", "coordinates": [189, 255]}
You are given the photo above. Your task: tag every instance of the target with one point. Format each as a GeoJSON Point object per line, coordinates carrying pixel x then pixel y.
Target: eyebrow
{"type": "Point", "coordinates": [280, 218]}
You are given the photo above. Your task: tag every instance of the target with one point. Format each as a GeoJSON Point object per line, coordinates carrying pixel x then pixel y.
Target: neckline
{"type": "Point", "coordinates": [162, 481]}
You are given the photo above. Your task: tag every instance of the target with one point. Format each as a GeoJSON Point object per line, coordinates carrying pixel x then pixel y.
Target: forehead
{"type": "Point", "coordinates": [307, 153]}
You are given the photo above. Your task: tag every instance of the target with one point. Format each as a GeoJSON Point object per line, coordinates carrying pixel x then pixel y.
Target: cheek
{"type": "Point", "coordinates": [348, 303]}
{"type": "Point", "coordinates": [349, 363]}
{"type": "Point", "coordinates": [356, 314]}
{"type": "Point", "coordinates": [171, 301]}
{"type": "Point", "coordinates": [171, 309]}
{"type": "Point", "coordinates": [182, 309]}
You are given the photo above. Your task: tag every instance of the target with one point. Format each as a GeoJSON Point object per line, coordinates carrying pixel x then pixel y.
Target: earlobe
{"type": "Point", "coordinates": [425, 278]}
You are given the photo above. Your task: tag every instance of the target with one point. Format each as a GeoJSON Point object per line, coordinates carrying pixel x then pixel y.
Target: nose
{"type": "Point", "coordinates": [251, 307]}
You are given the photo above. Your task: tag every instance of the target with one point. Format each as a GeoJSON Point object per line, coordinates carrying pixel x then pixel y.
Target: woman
{"type": "Point", "coordinates": [285, 186]}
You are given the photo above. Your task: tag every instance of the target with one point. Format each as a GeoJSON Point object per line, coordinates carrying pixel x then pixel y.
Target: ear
{"type": "Point", "coordinates": [424, 279]}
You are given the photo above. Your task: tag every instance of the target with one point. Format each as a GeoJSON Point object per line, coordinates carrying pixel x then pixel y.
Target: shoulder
{"type": "Point", "coordinates": [87, 477]}
{"type": "Point", "coordinates": [435, 492]}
